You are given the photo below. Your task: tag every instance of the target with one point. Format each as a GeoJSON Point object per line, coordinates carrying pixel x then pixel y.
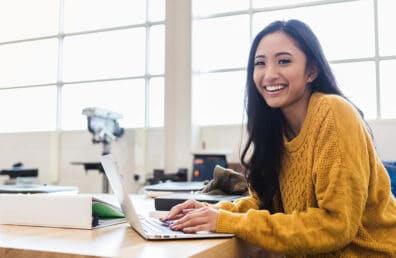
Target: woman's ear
{"type": "Point", "coordinates": [312, 73]}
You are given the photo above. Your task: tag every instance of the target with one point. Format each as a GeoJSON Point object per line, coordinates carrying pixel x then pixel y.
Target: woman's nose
{"type": "Point", "coordinates": [271, 73]}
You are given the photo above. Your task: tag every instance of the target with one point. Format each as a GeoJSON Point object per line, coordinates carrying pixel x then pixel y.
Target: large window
{"type": "Point", "coordinates": [360, 48]}
{"type": "Point", "coordinates": [60, 56]}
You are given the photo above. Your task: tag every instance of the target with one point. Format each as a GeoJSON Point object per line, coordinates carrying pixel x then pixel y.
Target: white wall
{"type": "Point", "coordinates": [76, 146]}
{"type": "Point", "coordinates": [177, 111]}
{"type": "Point", "coordinates": [138, 151]}
{"type": "Point", "coordinates": [34, 150]}
{"type": "Point", "coordinates": [53, 152]}
{"type": "Point", "coordinates": [384, 132]}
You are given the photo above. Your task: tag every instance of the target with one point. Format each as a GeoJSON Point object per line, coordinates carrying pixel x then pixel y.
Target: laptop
{"type": "Point", "coordinates": [147, 227]}
{"type": "Point", "coordinates": [176, 187]}
{"type": "Point", "coordinates": [36, 188]}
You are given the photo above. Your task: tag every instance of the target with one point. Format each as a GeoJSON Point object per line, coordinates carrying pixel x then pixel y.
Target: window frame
{"type": "Point", "coordinates": [59, 83]}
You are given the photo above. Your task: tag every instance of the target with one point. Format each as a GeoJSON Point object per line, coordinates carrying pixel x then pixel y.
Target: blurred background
{"type": "Point", "coordinates": [174, 70]}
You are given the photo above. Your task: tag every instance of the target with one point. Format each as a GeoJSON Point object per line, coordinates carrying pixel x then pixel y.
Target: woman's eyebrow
{"type": "Point", "coordinates": [259, 56]}
{"type": "Point", "coordinates": [276, 55]}
{"type": "Point", "coordinates": [283, 53]}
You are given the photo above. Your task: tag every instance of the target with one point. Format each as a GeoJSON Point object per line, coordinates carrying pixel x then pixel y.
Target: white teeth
{"type": "Point", "coordinates": [274, 87]}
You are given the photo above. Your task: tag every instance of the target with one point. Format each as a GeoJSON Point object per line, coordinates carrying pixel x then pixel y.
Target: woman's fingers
{"type": "Point", "coordinates": [185, 211]}
{"type": "Point", "coordinates": [176, 211]}
{"type": "Point", "coordinates": [195, 229]}
{"type": "Point", "coordinates": [172, 214]}
{"type": "Point", "coordinates": [197, 220]}
{"type": "Point", "coordinates": [188, 222]}
{"type": "Point", "coordinates": [179, 210]}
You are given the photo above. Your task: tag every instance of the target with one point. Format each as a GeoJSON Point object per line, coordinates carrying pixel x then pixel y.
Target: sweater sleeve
{"type": "Point", "coordinates": [241, 205]}
{"type": "Point", "coordinates": [340, 176]}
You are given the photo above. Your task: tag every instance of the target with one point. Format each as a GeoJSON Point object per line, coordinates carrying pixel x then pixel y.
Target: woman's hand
{"type": "Point", "coordinates": [201, 219]}
{"type": "Point", "coordinates": [192, 216]}
{"type": "Point", "coordinates": [178, 211]}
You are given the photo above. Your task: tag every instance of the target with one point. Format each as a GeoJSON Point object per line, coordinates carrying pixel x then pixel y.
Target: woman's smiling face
{"type": "Point", "coordinates": [280, 72]}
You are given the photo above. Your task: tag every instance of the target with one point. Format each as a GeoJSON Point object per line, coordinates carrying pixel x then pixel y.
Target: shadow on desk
{"type": "Point", "coordinates": [253, 252]}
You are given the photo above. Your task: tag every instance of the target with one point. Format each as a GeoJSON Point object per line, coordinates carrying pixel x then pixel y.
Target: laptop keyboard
{"type": "Point", "coordinates": [155, 226]}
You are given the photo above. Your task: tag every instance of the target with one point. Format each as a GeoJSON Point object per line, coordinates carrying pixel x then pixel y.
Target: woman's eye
{"type": "Point", "coordinates": [284, 61]}
{"type": "Point", "coordinates": [259, 63]}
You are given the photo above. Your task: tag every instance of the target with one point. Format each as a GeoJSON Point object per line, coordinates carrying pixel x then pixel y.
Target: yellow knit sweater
{"type": "Point", "coordinates": [334, 191]}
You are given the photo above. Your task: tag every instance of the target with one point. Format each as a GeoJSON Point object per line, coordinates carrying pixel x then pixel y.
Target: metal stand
{"type": "Point", "coordinates": [95, 166]}
{"type": "Point", "coordinates": [98, 166]}
{"type": "Point", "coordinates": [105, 181]}
{"type": "Point", "coordinates": [103, 125]}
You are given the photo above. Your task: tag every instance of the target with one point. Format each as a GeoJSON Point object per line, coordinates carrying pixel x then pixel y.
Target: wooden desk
{"type": "Point", "coordinates": [114, 241]}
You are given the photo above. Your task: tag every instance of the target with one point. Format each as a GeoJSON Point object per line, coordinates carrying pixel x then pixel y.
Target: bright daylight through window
{"type": "Point", "coordinates": [60, 56]}
{"type": "Point", "coordinates": [361, 50]}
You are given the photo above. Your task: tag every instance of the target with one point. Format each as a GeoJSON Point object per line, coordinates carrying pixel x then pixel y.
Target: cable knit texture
{"type": "Point", "coordinates": [334, 190]}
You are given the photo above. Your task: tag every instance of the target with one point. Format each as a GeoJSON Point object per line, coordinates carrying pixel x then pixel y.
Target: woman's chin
{"type": "Point", "coordinates": [274, 104]}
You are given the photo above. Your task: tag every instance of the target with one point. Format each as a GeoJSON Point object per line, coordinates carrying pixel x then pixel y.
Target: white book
{"type": "Point", "coordinates": [57, 210]}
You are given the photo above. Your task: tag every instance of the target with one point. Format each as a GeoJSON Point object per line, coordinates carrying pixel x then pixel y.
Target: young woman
{"type": "Point", "coordinates": [318, 188]}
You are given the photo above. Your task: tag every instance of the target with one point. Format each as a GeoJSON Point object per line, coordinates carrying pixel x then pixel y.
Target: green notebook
{"type": "Point", "coordinates": [104, 212]}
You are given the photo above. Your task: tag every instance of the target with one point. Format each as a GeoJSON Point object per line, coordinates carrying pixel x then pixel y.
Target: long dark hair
{"type": "Point", "coordinates": [265, 124]}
